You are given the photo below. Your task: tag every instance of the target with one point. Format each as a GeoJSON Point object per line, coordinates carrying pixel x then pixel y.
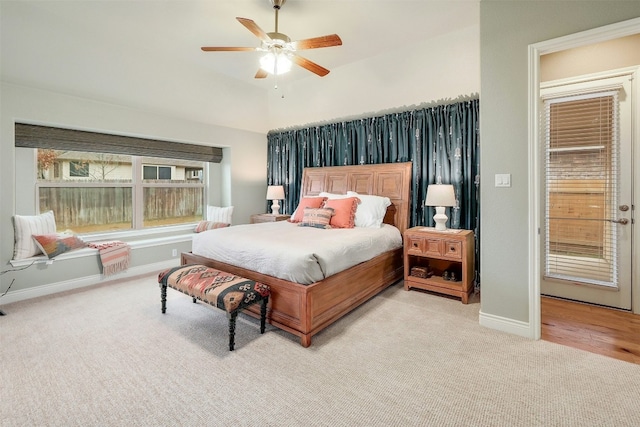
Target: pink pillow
{"type": "Point", "coordinates": [344, 211]}
{"type": "Point", "coordinates": [306, 202]}
{"type": "Point", "coordinates": [209, 225]}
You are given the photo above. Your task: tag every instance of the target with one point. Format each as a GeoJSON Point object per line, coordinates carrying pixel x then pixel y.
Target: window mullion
{"type": "Point", "coordinates": [138, 193]}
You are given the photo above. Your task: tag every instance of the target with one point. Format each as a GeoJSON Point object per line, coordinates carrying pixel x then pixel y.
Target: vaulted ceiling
{"type": "Point", "coordinates": [146, 54]}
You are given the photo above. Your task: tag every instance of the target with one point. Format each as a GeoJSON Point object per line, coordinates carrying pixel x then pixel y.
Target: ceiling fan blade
{"type": "Point", "coordinates": [318, 42]}
{"type": "Point", "coordinates": [261, 74]}
{"type": "Point", "coordinates": [309, 65]}
{"type": "Point", "coordinates": [253, 27]}
{"type": "Point", "coordinates": [227, 49]}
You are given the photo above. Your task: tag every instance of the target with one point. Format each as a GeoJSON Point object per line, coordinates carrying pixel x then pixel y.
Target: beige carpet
{"type": "Point", "coordinates": [106, 356]}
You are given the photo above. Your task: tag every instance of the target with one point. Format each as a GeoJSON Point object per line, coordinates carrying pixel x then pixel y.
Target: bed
{"type": "Point", "coordinates": [302, 308]}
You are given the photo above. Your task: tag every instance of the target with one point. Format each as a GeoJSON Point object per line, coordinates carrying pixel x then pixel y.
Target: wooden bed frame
{"type": "Point", "coordinates": [304, 310]}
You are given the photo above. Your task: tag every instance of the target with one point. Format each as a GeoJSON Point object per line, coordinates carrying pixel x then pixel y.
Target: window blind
{"type": "Point", "coordinates": [36, 136]}
{"type": "Point", "coordinates": [581, 174]}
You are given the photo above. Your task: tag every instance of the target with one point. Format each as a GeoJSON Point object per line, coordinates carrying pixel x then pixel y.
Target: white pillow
{"type": "Point", "coordinates": [371, 210]}
{"type": "Point", "coordinates": [218, 214]}
{"type": "Point", "coordinates": [333, 195]}
{"type": "Point", "coordinates": [26, 226]}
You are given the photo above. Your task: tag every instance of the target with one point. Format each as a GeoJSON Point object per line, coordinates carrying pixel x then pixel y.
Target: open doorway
{"type": "Point", "coordinates": [545, 58]}
{"type": "Point", "coordinates": [588, 100]}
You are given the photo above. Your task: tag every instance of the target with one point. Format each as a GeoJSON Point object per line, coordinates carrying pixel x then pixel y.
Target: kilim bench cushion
{"type": "Point", "coordinates": [220, 289]}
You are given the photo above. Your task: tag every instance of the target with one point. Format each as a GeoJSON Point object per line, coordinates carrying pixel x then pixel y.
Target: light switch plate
{"type": "Point", "coordinates": [503, 180]}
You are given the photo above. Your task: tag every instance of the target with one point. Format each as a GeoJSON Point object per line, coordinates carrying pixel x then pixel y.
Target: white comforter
{"type": "Point", "coordinates": [299, 254]}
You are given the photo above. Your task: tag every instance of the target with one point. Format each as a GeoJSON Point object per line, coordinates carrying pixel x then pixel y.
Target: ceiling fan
{"type": "Point", "coordinates": [279, 50]}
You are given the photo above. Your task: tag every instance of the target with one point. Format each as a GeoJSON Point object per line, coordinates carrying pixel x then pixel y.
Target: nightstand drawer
{"type": "Point", "coordinates": [415, 245]}
{"type": "Point", "coordinates": [452, 249]}
{"type": "Point", "coordinates": [433, 247]}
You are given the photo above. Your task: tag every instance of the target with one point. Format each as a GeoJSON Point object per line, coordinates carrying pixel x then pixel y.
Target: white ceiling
{"type": "Point", "coordinates": [146, 53]}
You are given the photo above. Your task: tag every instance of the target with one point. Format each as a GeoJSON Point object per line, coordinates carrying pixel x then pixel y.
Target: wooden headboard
{"type": "Point", "coordinates": [392, 180]}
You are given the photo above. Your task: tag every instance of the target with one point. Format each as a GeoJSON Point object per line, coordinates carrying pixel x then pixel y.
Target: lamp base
{"type": "Point", "coordinates": [275, 207]}
{"type": "Point", "coordinates": [441, 219]}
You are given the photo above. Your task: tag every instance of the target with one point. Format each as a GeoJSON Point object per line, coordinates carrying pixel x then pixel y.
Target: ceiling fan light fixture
{"type": "Point", "coordinates": [275, 63]}
{"type": "Point", "coordinates": [280, 51]}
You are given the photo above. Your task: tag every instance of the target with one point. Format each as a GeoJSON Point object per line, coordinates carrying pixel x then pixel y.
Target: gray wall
{"type": "Point", "coordinates": [507, 28]}
{"type": "Point", "coordinates": [239, 181]}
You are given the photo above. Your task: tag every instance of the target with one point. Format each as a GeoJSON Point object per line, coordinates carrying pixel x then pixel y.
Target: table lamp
{"type": "Point", "coordinates": [440, 195]}
{"type": "Point", "coordinates": [275, 193]}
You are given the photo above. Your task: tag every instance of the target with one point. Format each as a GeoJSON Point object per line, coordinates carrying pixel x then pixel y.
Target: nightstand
{"type": "Point", "coordinates": [432, 257]}
{"type": "Point", "coordinates": [256, 218]}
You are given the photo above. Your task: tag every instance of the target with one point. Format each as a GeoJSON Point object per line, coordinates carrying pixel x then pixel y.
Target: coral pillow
{"type": "Point", "coordinates": [345, 211]}
{"type": "Point", "coordinates": [209, 225]}
{"type": "Point", "coordinates": [318, 218]}
{"type": "Point", "coordinates": [55, 244]}
{"type": "Point", "coordinates": [306, 202]}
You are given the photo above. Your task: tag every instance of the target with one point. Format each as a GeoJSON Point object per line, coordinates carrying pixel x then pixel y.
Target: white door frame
{"type": "Point", "coordinates": [596, 35]}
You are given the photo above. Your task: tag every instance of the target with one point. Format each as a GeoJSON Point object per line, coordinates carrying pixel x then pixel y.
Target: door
{"type": "Point", "coordinates": [587, 219]}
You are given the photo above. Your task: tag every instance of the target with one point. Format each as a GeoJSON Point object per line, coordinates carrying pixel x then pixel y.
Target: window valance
{"type": "Point", "coordinates": [36, 136]}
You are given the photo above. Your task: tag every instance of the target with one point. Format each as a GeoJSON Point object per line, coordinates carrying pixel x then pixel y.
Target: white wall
{"type": "Point", "coordinates": [442, 68]}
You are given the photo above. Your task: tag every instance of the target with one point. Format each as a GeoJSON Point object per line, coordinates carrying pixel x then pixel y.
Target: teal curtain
{"type": "Point", "coordinates": [442, 141]}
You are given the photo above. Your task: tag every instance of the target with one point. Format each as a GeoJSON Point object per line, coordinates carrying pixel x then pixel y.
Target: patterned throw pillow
{"type": "Point", "coordinates": [318, 218]}
{"type": "Point", "coordinates": [55, 244]}
{"type": "Point", "coordinates": [209, 225]}
{"type": "Point", "coordinates": [345, 211]}
{"type": "Point", "coordinates": [306, 202]}
{"type": "Point", "coordinates": [26, 226]}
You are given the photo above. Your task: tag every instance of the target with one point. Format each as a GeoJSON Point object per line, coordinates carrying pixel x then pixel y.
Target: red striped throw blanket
{"type": "Point", "coordinates": [114, 256]}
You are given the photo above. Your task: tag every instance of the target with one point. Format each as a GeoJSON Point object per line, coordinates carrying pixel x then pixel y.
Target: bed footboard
{"type": "Point", "coordinates": [305, 310]}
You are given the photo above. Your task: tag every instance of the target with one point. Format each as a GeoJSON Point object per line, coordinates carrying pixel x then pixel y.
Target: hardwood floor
{"type": "Point", "coordinates": [613, 333]}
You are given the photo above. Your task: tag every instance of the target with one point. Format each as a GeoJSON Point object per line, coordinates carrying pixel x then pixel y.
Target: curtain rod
{"type": "Point", "coordinates": [403, 109]}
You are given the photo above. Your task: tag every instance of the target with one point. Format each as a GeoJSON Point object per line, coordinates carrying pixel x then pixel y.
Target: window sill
{"type": "Point", "coordinates": [134, 235]}
{"type": "Point", "coordinates": [135, 244]}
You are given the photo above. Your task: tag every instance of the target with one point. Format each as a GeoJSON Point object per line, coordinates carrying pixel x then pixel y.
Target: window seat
{"type": "Point", "coordinates": [148, 242]}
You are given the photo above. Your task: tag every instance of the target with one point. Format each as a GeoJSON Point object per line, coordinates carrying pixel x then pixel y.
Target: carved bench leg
{"type": "Point", "coordinates": [263, 314]}
{"type": "Point", "coordinates": [232, 328]}
{"type": "Point", "coordinates": [163, 297]}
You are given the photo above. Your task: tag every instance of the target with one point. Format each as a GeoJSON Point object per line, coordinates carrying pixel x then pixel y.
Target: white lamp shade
{"type": "Point", "coordinates": [275, 192]}
{"type": "Point", "coordinates": [440, 195]}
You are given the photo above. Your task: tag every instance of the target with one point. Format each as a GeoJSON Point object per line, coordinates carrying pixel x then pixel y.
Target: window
{"type": "Point", "coordinates": [78, 169]}
{"type": "Point", "coordinates": [131, 183]}
{"type": "Point", "coordinates": [156, 172]}
{"type": "Point", "coordinates": [110, 197]}
{"type": "Point", "coordinates": [581, 183]}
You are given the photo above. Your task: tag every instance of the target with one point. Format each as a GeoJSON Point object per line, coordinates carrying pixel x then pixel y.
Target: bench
{"type": "Point", "coordinates": [217, 288]}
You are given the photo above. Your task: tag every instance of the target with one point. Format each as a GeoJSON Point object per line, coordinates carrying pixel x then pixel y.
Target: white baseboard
{"type": "Point", "coordinates": [504, 324]}
{"type": "Point", "coordinates": [82, 282]}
